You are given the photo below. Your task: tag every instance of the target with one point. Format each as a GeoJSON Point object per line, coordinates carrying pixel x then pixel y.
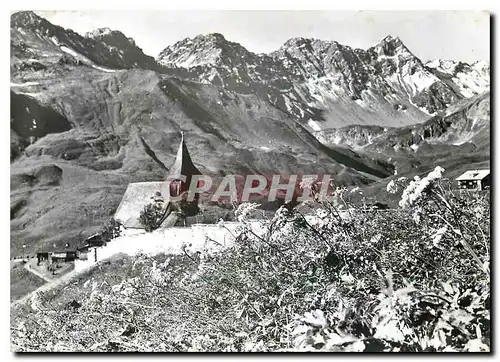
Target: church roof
{"type": "Point", "coordinates": [183, 164]}
{"type": "Point", "coordinates": [137, 195]}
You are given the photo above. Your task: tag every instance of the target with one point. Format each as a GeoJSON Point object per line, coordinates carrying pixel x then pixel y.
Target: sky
{"type": "Point", "coordinates": [457, 35]}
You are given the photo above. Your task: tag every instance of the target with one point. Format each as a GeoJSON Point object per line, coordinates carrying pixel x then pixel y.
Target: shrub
{"type": "Point", "coordinates": [112, 229]}
{"type": "Point", "coordinates": [187, 208]}
{"type": "Point", "coordinates": [151, 216]}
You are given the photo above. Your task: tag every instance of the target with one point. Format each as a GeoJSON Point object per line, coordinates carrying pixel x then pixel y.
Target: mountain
{"type": "Point", "coordinates": [91, 114]}
{"type": "Point", "coordinates": [456, 137]}
{"type": "Point", "coordinates": [326, 84]}
{"type": "Point", "coordinates": [467, 121]}
{"type": "Point", "coordinates": [34, 36]}
{"type": "Point", "coordinates": [470, 79]}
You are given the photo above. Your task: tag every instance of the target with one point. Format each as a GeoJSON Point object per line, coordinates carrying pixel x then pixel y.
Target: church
{"type": "Point", "coordinates": [140, 194]}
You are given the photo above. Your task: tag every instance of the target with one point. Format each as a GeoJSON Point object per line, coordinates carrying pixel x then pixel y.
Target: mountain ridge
{"type": "Point", "coordinates": [311, 78]}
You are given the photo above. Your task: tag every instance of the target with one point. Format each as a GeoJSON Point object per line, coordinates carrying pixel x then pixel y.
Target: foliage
{"type": "Point", "coordinates": [187, 208]}
{"type": "Point", "coordinates": [343, 279]}
{"type": "Point", "coordinates": [151, 216]}
{"type": "Point", "coordinates": [112, 229]}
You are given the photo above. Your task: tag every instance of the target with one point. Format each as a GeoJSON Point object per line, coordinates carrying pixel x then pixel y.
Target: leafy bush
{"type": "Point", "coordinates": [187, 208]}
{"type": "Point", "coordinates": [112, 229]}
{"type": "Point", "coordinates": [151, 216]}
{"type": "Point", "coordinates": [344, 279]}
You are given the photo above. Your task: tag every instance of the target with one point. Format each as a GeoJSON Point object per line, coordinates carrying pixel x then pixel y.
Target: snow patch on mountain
{"type": "Point", "coordinates": [26, 84]}
{"type": "Point", "coordinates": [103, 69]}
{"type": "Point", "coordinates": [420, 108]}
{"type": "Point", "coordinates": [84, 59]}
{"type": "Point", "coordinates": [314, 125]}
{"type": "Point", "coordinates": [70, 51]}
{"type": "Point", "coordinates": [420, 81]}
{"type": "Point", "coordinates": [359, 102]}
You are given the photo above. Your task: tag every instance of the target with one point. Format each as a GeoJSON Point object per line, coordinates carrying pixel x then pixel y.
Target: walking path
{"type": "Point", "coordinates": [46, 287]}
{"type": "Point", "coordinates": [169, 241]}
{"type": "Point", "coordinates": [28, 267]}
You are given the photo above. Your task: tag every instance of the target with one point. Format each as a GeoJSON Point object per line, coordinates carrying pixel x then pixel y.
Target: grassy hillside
{"type": "Point", "coordinates": [22, 281]}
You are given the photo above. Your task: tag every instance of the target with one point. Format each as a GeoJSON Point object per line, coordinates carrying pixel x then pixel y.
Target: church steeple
{"type": "Point", "coordinates": [183, 164]}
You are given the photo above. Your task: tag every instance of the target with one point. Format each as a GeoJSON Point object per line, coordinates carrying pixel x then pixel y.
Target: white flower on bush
{"type": "Point", "coordinates": [347, 278]}
{"type": "Point", "coordinates": [392, 188]}
{"type": "Point", "coordinates": [375, 239]}
{"type": "Point", "coordinates": [416, 216]}
{"type": "Point", "coordinates": [315, 318]}
{"type": "Point", "coordinates": [479, 211]}
{"type": "Point", "coordinates": [414, 191]}
{"type": "Point", "coordinates": [156, 274]}
{"type": "Point", "coordinates": [390, 330]}
{"type": "Point", "coordinates": [321, 213]}
{"type": "Point", "coordinates": [438, 235]}
{"type": "Point", "coordinates": [244, 210]}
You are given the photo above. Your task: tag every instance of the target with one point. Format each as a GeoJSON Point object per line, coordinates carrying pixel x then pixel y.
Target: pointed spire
{"type": "Point", "coordinates": [183, 164]}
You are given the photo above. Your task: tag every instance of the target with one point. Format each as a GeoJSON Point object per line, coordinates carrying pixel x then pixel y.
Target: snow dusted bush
{"type": "Point", "coordinates": [344, 280]}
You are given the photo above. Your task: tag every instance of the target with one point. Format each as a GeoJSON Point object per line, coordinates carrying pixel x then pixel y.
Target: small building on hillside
{"type": "Point", "coordinates": [94, 240]}
{"type": "Point", "coordinates": [58, 254]}
{"type": "Point", "coordinates": [474, 180]}
{"type": "Point", "coordinates": [63, 256]}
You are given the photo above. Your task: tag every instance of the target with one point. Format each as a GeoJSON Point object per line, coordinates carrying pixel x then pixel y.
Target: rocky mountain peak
{"type": "Point", "coordinates": [391, 46]}
{"type": "Point", "coordinates": [207, 49]}
{"type": "Point", "coordinates": [98, 33]}
{"type": "Point", "coordinates": [26, 17]}
{"type": "Point", "coordinates": [111, 37]}
{"type": "Point", "coordinates": [212, 37]}
{"type": "Point", "coordinates": [28, 20]}
{"type": "Point", "coordinates": [313, 45]}
{"type": "Point", "coordinates": [297, 41]}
